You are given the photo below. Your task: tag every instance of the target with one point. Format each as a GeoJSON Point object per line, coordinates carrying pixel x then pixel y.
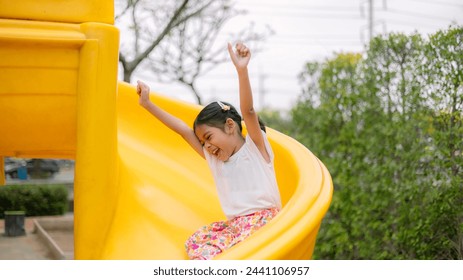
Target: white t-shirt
{"type": "Point", "coordinates": [245, 183]}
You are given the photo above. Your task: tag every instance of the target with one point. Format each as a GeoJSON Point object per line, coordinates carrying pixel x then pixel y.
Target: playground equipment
{"type": "Point", "coordinates": [139, 189]}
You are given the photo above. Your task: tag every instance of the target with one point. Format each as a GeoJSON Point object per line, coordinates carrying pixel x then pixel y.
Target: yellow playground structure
{"type": "Point", "coordinates": [139, 190]}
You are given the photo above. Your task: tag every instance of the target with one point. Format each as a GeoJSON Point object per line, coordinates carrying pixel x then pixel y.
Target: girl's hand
{"type": "Point", "coordinates": [143, 90]}
{"type": "Point", "coordinates": [241, 56]}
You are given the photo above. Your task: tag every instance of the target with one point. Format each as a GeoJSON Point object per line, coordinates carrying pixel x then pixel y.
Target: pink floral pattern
{"type": "Point", "coordinates": [213, 239]}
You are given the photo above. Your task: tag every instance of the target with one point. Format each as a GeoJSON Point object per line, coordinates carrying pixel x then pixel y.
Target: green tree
{"type": "Point", "coordinates": [389, 129]}
{"type": "Point", "coordinates": [276, 120]}
{"type": "Point", "coordinates": [442, 74]}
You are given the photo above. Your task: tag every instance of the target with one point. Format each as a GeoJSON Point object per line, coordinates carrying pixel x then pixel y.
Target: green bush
{"type": "Point", "coordinates": [388, 125]}
{"type": "Point", "coordinates": [35, 200]}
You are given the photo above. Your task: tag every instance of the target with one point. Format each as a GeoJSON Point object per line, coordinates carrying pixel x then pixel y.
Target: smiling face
{"type": "Point", "coordinates": [220, 143]}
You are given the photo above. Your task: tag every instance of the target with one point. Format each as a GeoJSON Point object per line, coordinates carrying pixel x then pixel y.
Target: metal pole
{"type": "Point", "coordinates": [370, 19]}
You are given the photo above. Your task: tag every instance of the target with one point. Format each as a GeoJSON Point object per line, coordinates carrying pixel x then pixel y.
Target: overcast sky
{"type": "Point", "coordinates": [307, 30]}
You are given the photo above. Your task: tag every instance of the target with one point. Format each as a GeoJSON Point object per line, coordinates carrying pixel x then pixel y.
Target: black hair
{"type": "Point", "coordinates": [216, 116]}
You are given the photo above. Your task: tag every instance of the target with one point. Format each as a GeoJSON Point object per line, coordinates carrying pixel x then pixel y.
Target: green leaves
{"type": "Point", "coordinates": [388, 125]}
{"type": "Point", "coordinates": [35, 200]}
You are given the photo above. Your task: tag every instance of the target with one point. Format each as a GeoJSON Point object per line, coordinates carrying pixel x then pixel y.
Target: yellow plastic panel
{"type": "Point", "coordinates": [58, 85]}
{"type": "Point", "coordinates": [72, 11]}
{"type": "Point", "coordinates": [38, 82]}
{"type": "Point", "coordinates": [95, 181]}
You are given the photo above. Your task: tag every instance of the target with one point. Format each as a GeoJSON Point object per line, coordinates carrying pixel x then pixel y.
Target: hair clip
{"type": "Point", "coordinates": [223, 106]}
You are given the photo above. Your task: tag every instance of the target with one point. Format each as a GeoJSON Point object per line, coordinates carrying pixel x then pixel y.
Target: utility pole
{"type": "Point", "coordinates": [370, 20]}
{"type": "Point", "coordinates": [262, 90]}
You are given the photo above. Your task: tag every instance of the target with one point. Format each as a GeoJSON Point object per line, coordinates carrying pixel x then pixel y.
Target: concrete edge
{"type": "Point", "coordinates": [49, 242]}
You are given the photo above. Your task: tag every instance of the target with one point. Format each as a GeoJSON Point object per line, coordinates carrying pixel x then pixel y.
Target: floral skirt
{"type": "Point", "coordinates": [213, 239]}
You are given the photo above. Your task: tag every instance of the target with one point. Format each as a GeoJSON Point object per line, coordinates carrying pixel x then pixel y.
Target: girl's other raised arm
{"type": "Point", "coordinates": [240, 59]}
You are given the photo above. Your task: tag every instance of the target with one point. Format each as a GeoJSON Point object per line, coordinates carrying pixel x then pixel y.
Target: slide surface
{"type": "Point", "coordinates": [167, 192]}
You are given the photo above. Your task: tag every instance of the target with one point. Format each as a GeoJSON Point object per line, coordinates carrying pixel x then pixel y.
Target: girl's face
{"type": "Point", "coordinates": [220, 143]}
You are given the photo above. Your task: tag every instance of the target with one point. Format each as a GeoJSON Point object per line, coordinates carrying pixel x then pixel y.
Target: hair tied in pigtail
{"type": "Point", "coordinates": [223, 106]}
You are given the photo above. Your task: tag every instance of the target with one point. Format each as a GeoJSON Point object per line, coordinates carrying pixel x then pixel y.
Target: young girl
{"type": "Point", "coordinates": [242, 167]}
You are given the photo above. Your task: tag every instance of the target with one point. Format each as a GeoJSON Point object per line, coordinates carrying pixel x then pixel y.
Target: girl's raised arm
{"type": "Point", "coordinates": [240, 59]}
{"type": "Point", "coordinates": [167, 119]}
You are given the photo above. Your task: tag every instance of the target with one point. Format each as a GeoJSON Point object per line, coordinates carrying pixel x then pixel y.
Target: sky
{"type": "Point", "coordinates": [308, 30]}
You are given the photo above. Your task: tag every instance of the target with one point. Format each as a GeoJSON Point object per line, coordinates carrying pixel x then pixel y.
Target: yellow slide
{"type": "Point", "coordinates": [139, 189]}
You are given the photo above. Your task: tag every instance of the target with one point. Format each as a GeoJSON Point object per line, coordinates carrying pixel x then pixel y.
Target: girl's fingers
{"type": "Point", "coordinates": [241, 49]}
{"type": "Point", "coordinates": [240, 45]}
{"type": "Point", "coordinates": [141, 87]}
{"type": "Point", "coordinates": [230, 50]}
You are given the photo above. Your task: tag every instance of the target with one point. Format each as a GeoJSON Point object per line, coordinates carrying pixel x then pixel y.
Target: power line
{"type": "Point", "coordinates": [328, 9]}
{"type": "Point", "coordinates": [319, 42]}
{"type": "Point", "coordinates": [309, 16]}
{"type": "Point", "coordinates": [407, 13]}
{"type": "Point", "coordinates": [331, 36]}
{"type": "Point", "coordinates": [308, 8]}
{"type": "Point", "coordinates": [314, 39]}
{"type": "Point", "coordinates": [267, 74]}
{"type": "Point", "coordinates": [438, 3]}
{"type": "Point", "coordinates": [401, 22]}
